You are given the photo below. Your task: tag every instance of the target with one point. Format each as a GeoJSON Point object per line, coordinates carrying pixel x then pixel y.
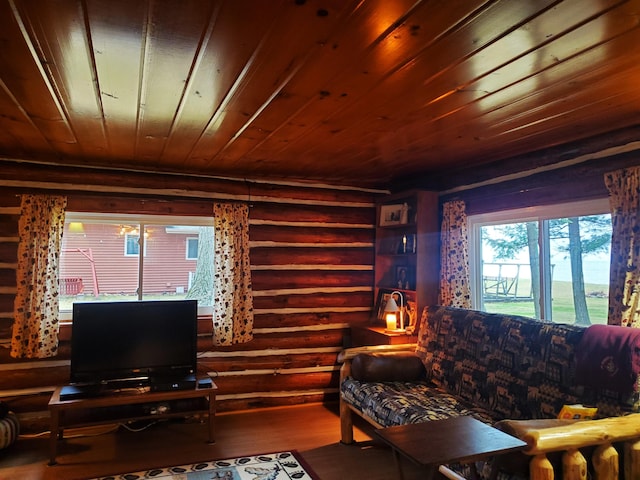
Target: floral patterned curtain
{"type": "Point", "coordinates": [36, 307]}
{"type": "Point", "coordinates": [624, 198]}
{"type": "Point", "coordinates": [454, 256]}
{"type": "Point", "coordinates": [233, 297]}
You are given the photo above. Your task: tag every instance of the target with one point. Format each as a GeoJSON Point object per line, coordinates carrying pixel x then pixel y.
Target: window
{"type": "Point", "coordinates": [100, 259]}
{"type": "Point", "coordinates": [192, 248]}
{"type": "Point", "coordinates": [549, 263]}
{"type": "Point", "coordinates": [132, 244]}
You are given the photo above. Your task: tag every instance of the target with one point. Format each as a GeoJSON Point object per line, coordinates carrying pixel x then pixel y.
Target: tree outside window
{"type": "Point", "coordinates": [548, 268]}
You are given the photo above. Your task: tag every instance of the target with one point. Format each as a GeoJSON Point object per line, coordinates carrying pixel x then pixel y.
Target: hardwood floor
{"type": "Point", "coordinates": [313, 430]}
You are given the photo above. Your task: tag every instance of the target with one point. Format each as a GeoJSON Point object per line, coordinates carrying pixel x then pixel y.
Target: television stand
{"type": "Point", "coordinates": [129, 405]}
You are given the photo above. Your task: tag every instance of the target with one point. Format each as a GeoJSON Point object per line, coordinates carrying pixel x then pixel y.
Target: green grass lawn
{"type": "Point", "coordinates": [66, 301]}
{"type": "Point", "coordinates": [562, 303]}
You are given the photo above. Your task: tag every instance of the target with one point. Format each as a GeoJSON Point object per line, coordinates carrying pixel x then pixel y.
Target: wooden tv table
{"type": "Point", "coordinates": [453, 440]}
{"type": "Point", "coordinates": [128, 405]}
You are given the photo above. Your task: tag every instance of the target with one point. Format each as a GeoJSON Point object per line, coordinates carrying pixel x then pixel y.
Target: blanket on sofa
{"type": "Point", "coordinates": [608, 356]}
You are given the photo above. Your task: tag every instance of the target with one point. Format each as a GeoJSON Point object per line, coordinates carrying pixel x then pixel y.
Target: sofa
{"type": "Point", "coordinates": [497, 368]}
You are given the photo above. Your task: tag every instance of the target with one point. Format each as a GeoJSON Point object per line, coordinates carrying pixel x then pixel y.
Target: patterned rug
{"type": "Point", "coordinates": [271, 466]}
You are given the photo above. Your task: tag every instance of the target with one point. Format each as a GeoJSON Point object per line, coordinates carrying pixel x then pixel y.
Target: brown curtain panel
{"type": "Point", "coordinates": [454, 256]}
{"type": "Point", "coordinates": [624, 198]}
{"type": "Point", "coordinates": [36, 306]}
{"type": "Point", "coordinates": [233, 297]}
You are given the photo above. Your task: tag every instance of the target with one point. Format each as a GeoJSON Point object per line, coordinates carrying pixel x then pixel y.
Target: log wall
{"type": "Point", "coordinates": [312, 256]}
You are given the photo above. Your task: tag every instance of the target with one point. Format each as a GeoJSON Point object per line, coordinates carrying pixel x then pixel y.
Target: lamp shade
{"type": "Point", "coordinates": [391, 306]}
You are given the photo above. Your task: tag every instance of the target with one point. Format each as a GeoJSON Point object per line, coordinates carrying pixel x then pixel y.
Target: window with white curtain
{"type": "Point", "coordinates": [550, 262]}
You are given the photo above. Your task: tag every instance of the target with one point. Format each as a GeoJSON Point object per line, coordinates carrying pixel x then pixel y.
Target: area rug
{"type": "Point", "coordinates": [270, 466]}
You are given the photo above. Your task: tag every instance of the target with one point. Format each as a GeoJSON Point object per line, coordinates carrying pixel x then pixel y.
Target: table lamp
{"type": "Point", "coordinates": [391, 311]}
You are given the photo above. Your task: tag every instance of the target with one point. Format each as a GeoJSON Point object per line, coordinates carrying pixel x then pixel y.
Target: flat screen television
{"type": "Point", "coordinates": [139, 342]}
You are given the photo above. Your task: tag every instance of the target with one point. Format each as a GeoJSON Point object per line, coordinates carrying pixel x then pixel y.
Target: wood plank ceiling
{"type": "Point", "coordinates": [358, 92]}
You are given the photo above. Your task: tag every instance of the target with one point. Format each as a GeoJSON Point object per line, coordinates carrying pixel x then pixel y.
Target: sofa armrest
{"type": "Point", "coordinates": [574, 435]}
{"type": "Point", "coordinates": [348, 353]}
{"type": "Point", "coordinates": [346, 358]}
{"type": "Point", "coordinates": [381, 363]}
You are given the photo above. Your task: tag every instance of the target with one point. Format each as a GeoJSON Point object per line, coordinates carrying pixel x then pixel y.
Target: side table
{"type": "Point", "coordinates": [363, 336]}
{"type": "Point", "coordinates": [453, 440]}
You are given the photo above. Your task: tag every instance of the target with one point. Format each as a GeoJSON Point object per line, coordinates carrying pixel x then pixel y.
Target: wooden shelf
{"type": "Point", "coordinates": [413, 246]}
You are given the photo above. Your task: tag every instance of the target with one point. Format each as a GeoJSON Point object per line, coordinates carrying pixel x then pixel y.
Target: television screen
{"type": "Point", "coordinates": [133, 341]}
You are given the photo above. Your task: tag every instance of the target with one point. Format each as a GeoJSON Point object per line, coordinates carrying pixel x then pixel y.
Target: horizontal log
{"type": "Point", "coordinates": [583, 433]}
{"type": "Point", "coordinates": [10, 198]}
{"type": "Point", "coordinates": [6, 328]}
{"type": "Point", "coordinates": [314, 235]}
{"type": "Point", "coordinates": [9, 255]}
{"type": "Point", "coordinates": [6, 302]}
{"type": "Point", "coordinates": [265, 279]}
{"type": "Point", "coordinates": [310, 191]}
{"type": "Point", "coordinates": [314, 300]}
{"type": "Point", "coordinates": [270, 320]}
{"type": "Point", "coordinates": [287, 361]}
{"type": "Point", "coordinates": [235, 403]}
{"type": "Point", "coordinates": [536, 160]}
{"type": "Point", "coordinates": [305, 213]}
{"type": "Point", "coordinates": [33, 377]}
{"type": "Point", "coordinates": [279, 341]}
{"type": "Point", "coordinates": [81, 180]}
{"type": "Point", "coordinates": [9, 225]}
{"type": "Point", "coordinates": [7, 277]}
{"type": "Point", "coordinates": [326, 255]}
{"type": "Point", "coordinates": [136, 205]}
{"type": "Point", "coordinates": [275, 383]}
{"type": "Point", "coordinates": [34, 402]}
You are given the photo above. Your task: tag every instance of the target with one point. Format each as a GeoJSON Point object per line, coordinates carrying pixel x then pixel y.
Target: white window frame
{"type": "Point", "coordinates": [520, 215]}
{"type": "Point", "coordinates": [126, 243]}
{"type": "Point", "coordinates": [142, 221]}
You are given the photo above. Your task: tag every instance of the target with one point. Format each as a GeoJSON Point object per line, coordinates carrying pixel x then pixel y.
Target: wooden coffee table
{"type": "Point", "coordinates": [453, 440]}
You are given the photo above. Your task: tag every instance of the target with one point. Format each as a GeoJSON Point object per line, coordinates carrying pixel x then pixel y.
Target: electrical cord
{"type": "Point", "coordinates": [131, 429]}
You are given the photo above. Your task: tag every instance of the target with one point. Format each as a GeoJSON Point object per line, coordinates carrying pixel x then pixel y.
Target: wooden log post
{"type": "Point", "coordinates": [605, 462]}
{"type": "Point", "coordinates": [580, 434]}
{"type": "Point", "coordinates": [540, 468]}
{"type": "Point", "coordinates": [632, 460]}
{"type": "Point", "coordinates": [346, 420]}
{"type": "Point", "coordinates": [574, 465]}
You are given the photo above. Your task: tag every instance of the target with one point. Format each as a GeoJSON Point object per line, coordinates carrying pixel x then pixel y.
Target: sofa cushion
{"type": "Point", "coordinates": [376, 367]}
{"type": "Point", "coordinates": [514, 366]}
{"type": "Point", "coordinates": [399, 403]}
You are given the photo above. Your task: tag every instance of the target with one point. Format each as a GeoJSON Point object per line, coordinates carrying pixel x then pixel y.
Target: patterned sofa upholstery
{"type": "Point", "coordinates": [491, 366]}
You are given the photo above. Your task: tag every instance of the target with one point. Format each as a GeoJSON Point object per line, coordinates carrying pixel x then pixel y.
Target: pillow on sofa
{"type": "Point", "coordinates": [396, 367]}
